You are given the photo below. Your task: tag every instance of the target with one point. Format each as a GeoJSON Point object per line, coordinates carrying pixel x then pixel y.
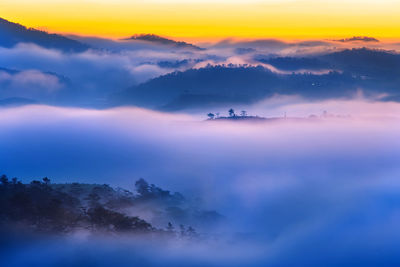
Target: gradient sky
{"type": "Point", "coordinates": [210, 18]}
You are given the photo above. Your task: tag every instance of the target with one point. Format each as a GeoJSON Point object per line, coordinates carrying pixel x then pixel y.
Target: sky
{"type": "Point", "coordinates": [206, 19]}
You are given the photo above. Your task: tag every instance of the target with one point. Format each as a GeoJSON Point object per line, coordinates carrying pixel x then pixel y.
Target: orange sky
{"type": "Point", "coordinates": [210, 19]}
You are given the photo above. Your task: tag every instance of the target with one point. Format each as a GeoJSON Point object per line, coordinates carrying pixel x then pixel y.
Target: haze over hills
{"type": "Point", "coordinates": [23, 87]}
{"type": "Point", "coordinates": [373, 71]}
{"type": "Point", "coordinates": [13, 33]}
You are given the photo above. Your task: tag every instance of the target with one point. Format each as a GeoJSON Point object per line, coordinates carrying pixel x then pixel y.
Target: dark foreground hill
{"type": "Point", "coordinates": [65, 208]}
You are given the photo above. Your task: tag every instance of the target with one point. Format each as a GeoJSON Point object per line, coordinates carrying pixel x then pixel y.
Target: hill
{"type": "Point", "coordinates": [13, 33]}
{"type": "Point", "coordinates": [155, 39]}
{"type": "Point", "coordinates": [64, 208]}
{"type": "Point", "coordinates": [220, 85]}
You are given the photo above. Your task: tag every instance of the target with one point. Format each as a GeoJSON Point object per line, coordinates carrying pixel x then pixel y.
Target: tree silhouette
{"type": "Point", "coordinates": [4, 180]}
{"type": "Point", "coordinates": [93, 199]}
{"type": "Point", "coordinates": [243, 113]}
{"type": "Point", "coordinates": [142, 187]}
{"type": "Point", "coordinates": [211, 116]}
{"type": "Point", "coordinates": [46, 180]}
{"type": "Point", "coordinates": [170, 227]}
{"type": "Point", "coordinates": [231, 112]}
{"type": "Point", "coordinates": [191, 232]}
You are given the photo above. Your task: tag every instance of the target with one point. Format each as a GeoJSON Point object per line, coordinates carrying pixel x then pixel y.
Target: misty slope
{"type": "Point", "coordinates": [221, 85]}
{"type": "Point", "coordinates": [374, 64]}
{"type": "Point", "coordinates": [378, 71]}
{"type": "Point", "coordinates": [152, 38]}
{"type": "Point", "coordinates": [13, 33]}
{"type": "Point", "coordinates": [209, 84]}
{"type": "Point", "coordinates": [368, 62]}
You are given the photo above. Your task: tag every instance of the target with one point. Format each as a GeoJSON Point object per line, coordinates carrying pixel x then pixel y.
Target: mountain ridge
{"type": "Point", "coordinates": [12, 33]}
{"type": "Point", "coordinates": [153, 38]}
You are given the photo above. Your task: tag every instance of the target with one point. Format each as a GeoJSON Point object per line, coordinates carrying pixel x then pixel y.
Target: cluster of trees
{"type": "Point", "coordinates": [148, 191]}
{"type": "Point", "coordinates": [231, 113]}
{"type": "Point", "coordinates": [45, 207]}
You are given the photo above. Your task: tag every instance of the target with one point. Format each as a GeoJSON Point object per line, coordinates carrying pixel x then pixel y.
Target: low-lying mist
{"type": "Point", "coordinates": [294, 192]}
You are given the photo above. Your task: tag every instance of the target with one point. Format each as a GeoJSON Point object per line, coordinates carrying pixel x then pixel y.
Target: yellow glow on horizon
{"type": "Point", "coordinates": [210, 19]}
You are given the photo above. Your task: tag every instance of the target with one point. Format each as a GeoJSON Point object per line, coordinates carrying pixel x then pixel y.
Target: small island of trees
{"type": "Point", "coordinates": [232, 115]}
{"type": "Point", "coordinates": [243, 115]}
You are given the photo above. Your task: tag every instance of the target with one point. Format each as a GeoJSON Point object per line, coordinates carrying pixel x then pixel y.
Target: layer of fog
{"type": "Point", "coordinates": [294, 193]}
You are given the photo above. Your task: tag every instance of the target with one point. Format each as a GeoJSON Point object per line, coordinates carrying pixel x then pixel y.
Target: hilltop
{"type": "Point", "coordinates": [13, 33]}
{"type": "Point", "coordinates": [152, 38]}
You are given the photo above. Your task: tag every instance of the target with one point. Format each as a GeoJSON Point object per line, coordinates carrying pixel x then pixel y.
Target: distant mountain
{"type": "Point", "coordinates": [358, 38]}
{"type": "Point", "coordinates": [376, 65]}
{"type": "Point", "coordinates": [379, 70]}
{"type": "Point", "coordinates": [294, 63]}
{"type": "Point", "coordinates": [155, 39]}
{"type": "Point", "coordinates": [363, 61]}
{"type": "Point", "coordinates": [13, 33]}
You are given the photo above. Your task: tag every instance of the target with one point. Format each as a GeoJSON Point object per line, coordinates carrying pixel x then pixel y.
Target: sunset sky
{"type": "Point", "coordinates": [210, 19]}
